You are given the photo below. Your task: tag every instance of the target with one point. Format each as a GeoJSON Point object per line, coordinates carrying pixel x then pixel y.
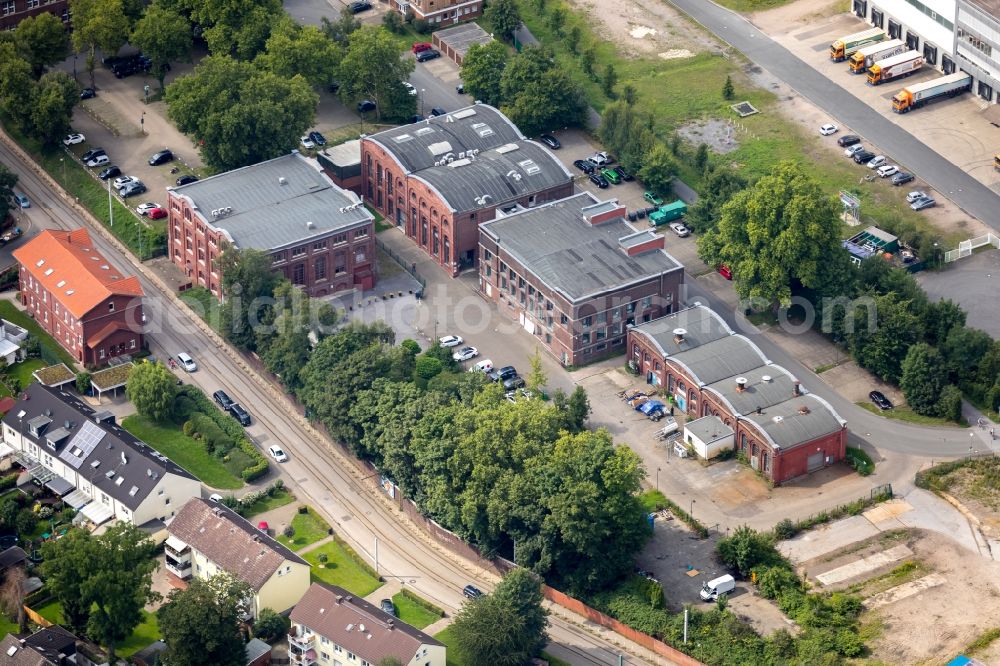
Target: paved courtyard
{"type": "Point", "coordinates": [973, 283]}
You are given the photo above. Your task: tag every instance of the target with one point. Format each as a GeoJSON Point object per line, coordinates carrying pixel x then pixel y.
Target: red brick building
{"type": "Point", "coordinates": [439, 179]}
{"type": "Point", "coordinates": [439, 12]}
{"type": "Point", "coordinates": [13, 12]}
{"type": "Point", "coordinates": [318, 235]}
{"type": "Point", "coordinates": [82, 301]}
{"type": "Point", "coordinates": [722, 380]}
{"type": "Point", "coordinates": [575, 274]}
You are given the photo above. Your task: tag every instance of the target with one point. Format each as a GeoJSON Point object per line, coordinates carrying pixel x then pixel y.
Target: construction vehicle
{"type": "Point", "coordinates": [668, 213]}
{"type": "Point", "coordinates": [868, 56]}
{"type": "Point", "coordinates": [844, 48]}
{"type": "Point", "coordinates": [895, 67]}
{"type": "Point", "coordinates": [915, 96]}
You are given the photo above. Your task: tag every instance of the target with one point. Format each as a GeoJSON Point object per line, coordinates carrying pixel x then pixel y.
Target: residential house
{"type": "Point", "coordinates": [575, 274]}
{"type": "Point", "coordinates": [49, 646]}
{"type": "Point", "coordinates": [97, 467]}
{"type": "Point", "coordinates": [12, 12]}
{"type": "Point", "coordinates": [439, 12]}
{"type": "Point", "coordinates": [206, 537]}
{"type": "Point", "coordinates": [12, 339]}
{"type": "Point", "coordinates": [319, 236]}
{"type": "Point", "coordinates": [74, 293]}
{"type": "Point", "coordinates": [332, 627]}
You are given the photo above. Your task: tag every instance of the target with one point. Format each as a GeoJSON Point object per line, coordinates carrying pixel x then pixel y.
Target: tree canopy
{"type": "Point", "coordinates": [538, 95]}
{"type": "Point", "coordinates": [152, 388]}
{"type": "Point", "coordinates": [8, 179]}
{"type": "Point", "coordinates": [164, 35]}
{"type": "Point", "coordinates": [201, 624]}
{"type": "Point", "coordinates": [98, 24]}
{"type": "Point", "coordinates": [504, 17]}
{"type": "Point", "coordinates": [296, 49]}
{"type": "Point", "coordinates": [234, 28]}
{"type": "Point", "coordinates": [372, 68]}
{"type": "Point", "coordinates": [42, 41]}
{"type": "Point", "coordinates": [482, 69]}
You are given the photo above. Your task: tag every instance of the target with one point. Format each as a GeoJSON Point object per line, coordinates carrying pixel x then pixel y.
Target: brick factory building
{"type": "Point", "coordinates": [439, 12]}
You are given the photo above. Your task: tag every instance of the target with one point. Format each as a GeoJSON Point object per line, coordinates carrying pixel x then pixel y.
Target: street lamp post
{"type": "Point", "coordinates": [657, 479]}
{"type": "Point", "coordinates": [142, 122]}
{"type": "Point", "coordinates": [63, 163]}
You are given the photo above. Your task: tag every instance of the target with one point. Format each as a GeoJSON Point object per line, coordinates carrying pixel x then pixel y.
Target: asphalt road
{"type": "Point", "coordinates": [316, 472]}
{"type": "Point", "coordinates": [965, 191]}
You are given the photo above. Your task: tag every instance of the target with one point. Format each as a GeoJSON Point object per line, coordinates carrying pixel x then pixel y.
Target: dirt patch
{"type": "Point", "coordinates": [642, 28]}
{"type": "Point", "coordinates": [978, 489]}
{"type": "Point", "coordinates": [719, 135]}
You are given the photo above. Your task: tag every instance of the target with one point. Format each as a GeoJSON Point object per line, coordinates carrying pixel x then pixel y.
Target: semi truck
{"type": "Point", "coordinates": [895, 67]}
{"type": "Point", "coordinates": [868, 56]}
{"type": "Point", "coordinates": [915, 96]}
{"type": "Point", "coordinates": [844, 47]}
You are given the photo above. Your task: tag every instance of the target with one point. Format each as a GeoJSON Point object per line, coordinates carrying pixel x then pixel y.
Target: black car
{"type": "Point", "coordinates": [503, 374]}
{"type": "Point", "coordinates": [880, 400]}
{"type": "Point", "coordinates": [472, 592]}
{"type": "Point", "coordinates": [599, 180]}
{"type": "Point", "coordinates": [186, 179]}
{"type": "Point", "coordinates": [848, 140]}
{"type": "Point", "coordinates": [91, 154]}
{"type": "Point", "coordinates": [111, 172]}
{"type": "Point", "coordinates": [131, 189]}
{"type": "Point", "coordinates": [222, 399]}
{"type": "Point", "coordinates": [366, 105]}
{"type": "Point", "coordinates": [863, 156]}
{"type": "Point", "coordinates": [902, 178]}
{"type": "Point", "coordinates": [161, 157]}
{"type": "Point", "coordinates": [240, 414]}
{"type": "Point", "coordinates": [550, 141]}
{"type": "Point", "coordinates": [428, 54]}
{"type": "Point", "coordinates": [416, 118]}
{"type": "Point", "coordinates": [460, 88]}
{"type": "Point", "coordinates": [513, 383]}
{"type": "Point", "coordinates": [584, 166]}
{"type": "Point", "coordinates": [359, 6]}
{"type": "Point", "coordinates": [622, 173]}
{"type": "Point", "coordinates": [333, 87]}
{"type": "Point", "coordinates": [87, 93]}
{"type": "Point", "coordinates": [317, 138]}
{"type": "Point", "coordinates": [387, 607]}
{"type": "Point", "coordinates": [438, 111]}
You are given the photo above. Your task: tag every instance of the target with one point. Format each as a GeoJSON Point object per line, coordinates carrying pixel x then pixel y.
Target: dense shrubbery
{"type": "Point", "coordinates": [221, 433]}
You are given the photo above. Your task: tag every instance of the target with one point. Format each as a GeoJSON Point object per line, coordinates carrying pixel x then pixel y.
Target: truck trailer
{"type": "Point", "coordinates": [844, 47]}
{"type": "Point", "coordinates": [895, 67]}
{"type": "Point", "coordinates": [915, 96]}
{"type": "Point", "coordinates": [868, 56]}
{"type": "Point", "coordinates": [667, 213]}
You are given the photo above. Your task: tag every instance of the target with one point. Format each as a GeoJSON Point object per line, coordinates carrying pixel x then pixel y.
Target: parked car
{"type": "Point", "coordinates": [652, 198]}
{"type": "Point", "coordinates": [472, 592]}
{"type": "Point", "coordinates": [387, 607]}
{"type": "Point", "coordinates": [409, 87]}
{"type": "Point", "coordinates": [880, 400]}
{"type": "Point", "coordinates": [22, 200]}
{"type": "Point", "coordinates": [902, 178]}
{"type": "Point", "coordinates": [584, 166]}
{"type": "Point", "coordinates": [98, 160]}
{"type": "Point", "coordinates": [502, 374]}
{"type": "Point", "coordinates": [277, 453]}
{"type": "Point", "coordinates": [428, 54]}
{"type": "Point", "coordinates": [921, 204]}
{"type": "Point", "coordinates": [887, 170]}
{"type": "Point", "coordinates": [485, 366]}
{"type": "Point", "coordinates": [263, 526]}
{"type": "Point", "coordinates": [550, 141]}
{"type": "Point", "coordinates": [853, 150]}
{"type": "Point", "coordinates": [450, 341]}
{"type": "Point", "coordinates": [359, 6]}
{"type": "Point", "coordinates": [91, 154]}
{"type": "Point", "coordinates": [73, 139]}
{"type": "Point", "coordinates": [307, 142]}
{"type": "Point", "coordinates": [88, 93]}
{"type": "Point", "coordinates": [161, 157]}
{"type": "Point", "coordinates": [144, 208]}
{"type": "Point", "coordinates": [240, 414]}
{"type": "Point", "coordinates": [186, 362]}
{"type": "Point", "coordinates": [186, 179]}
{"type": "Point", "coordinates": [416, 118]}
{"type": "Point", "coordinates": [420, 46]}
{"type": "Point", "coordinates": [157, 214]}
{"type": "Point", "coordinates": [848, 140]}
{"type": "Point", "coordinates": [122, 181]}
{"type": "Point", "coordinates": [863, 157]}
{"type": "Point", "coordinates": [828, 129]}
{"type": "Point", "coordinates": [914, 195]}
{"type": "Point", "coordinates": [132, 189]}
{"type": "Point", "coordinates": [438, 111]}
{"type": "Point", "coordinates": [680, 229]}
{"type": "Point", "coordinates": [513, 383]}
{"type": "Point", "coordinates": [317, 138]}
{"type": "Point", "coordinates": [623, 174]}
{"type": "Point", "coordinates": [333, 86]}
{"type": "Point", "coordinates": [724, 271]}
{"type": "Point", "coordinates": [222, 399]}
{"type": "Point", "coordinates": [465, 353]}
{"type": "Point", "coordinates": [601, 158]}
{"type": "Point", "coordinates": [366, 105]}
{"type": "Point", "coordinates": [611, 175]}
{"type": "Point", "coordinates": [110, 172]}
{"type": "Point", "coordinates": [460, 88]}
{"type": "Point", "coordinates": [876, 161]}
{"type": "Point", "coordinates": [599, 180]}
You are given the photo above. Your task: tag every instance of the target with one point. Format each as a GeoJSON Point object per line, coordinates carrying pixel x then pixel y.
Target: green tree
{"type": "Point", "coordinates": [629, 94]}
{"type": "Point", "coordinates": [285, 351]}
{"type": "Point", "coordinates": [728, 91]}
{"type": "Point", "coordinates": [42, 41]}
{"type": "Point", "coordinates": [523, 591]}
{"type": "Point", "coordinates": [482, 69]}
{"type": "Point", "coordinates": [427, 367]}
{"type": "Point", "coordinates": [8, 179]}
{"type": "Point", "coordinates": [781, 231]}
{"type": "Point", "coordinates": [949, 405]}
{"type": "Point", "coordinates": [55, 95]}
{"type": "Point", "coordinates": [577, 410]}
{"type": "Point", "coordinates": [880, 345]}
{"type": "Point", "coordinates": [489, 630]}
{"type": "Point", "coordinates": [17, 87]}
{"type": "Point", "coordinates": [587, 59]}
{"type": "Point", "coordinates": [504, 17]}
{"type": "Point", "coordinates": [536, 379]}
{"type": "Point", "coordinates": [720, 186]}
{"type": "Point", "coordinates": [924, 375]}
{"type": "Point", "coordinates": [609, 81]}
{"type": "Point", "coordinates": [340, 30]}
{"type": "Point", "coordinates": [296, 49]}
{"type": "Point", "coordinates": [237, 29]}
{"type": "Point", "coordinates": [537, 95]}
{"type": "Point", "coordinates": [201, 624]}
{"type": "Point", "coordinates": [573, 38]}
{"type": "Point", "coordinates": [247, 287]}
{"type": "Point", "coordinates": [940, 319]}
{"type": "Point", "coordinates": [98, 24]}
{"type": "Point", "coordinates": [965, 349]}
{"type": "Point", "coordinates": [701, 157]}
{"type": "Point", "coordinates": [659, 169]}
{"type": "Point", "coordinates": [152, 388]}
{"type": "Point", "coordinates": [393, 22]}
{"type": "Point", "coordinates": [164, 35]}
{"type": "Point", "coordinates": [82, 382]}
{"type": "Point", "coordinates": [625, 131]}
{"type": "Point", "coordinates": [271, 626]}
{"type": "Point", "coordinates": [747, 548]}
{"type": "Point", "coordinates": [557, 19]}
{"type": "Point", "coordinates": [372, 68]}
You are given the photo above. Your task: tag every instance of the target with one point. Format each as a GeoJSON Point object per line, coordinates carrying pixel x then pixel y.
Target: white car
{"type": "Point", "coordinates": [122, 181]}
{"type": "Point", "coordinates": [828, 129]}
{"type": "Point", "coordinates": [450, 341]}
{"type": "Point", "coordinates": [852, 150]}
{"type": "Point", "coordinates": [143, 209]}
{"type": "Point", "coordinates": [680, 229]}
{"type": "Point", "coordinates": [187, 362]}
{"type": "Point", "coordinates": [600, 158]}
{"type": "Point", "coordinates": [914, 195]}
{"type": "Point", "coordinates": [73, 139]}
{"type": "Point", "coordinates": [484, 366]}
{"type": "Point", "coordinates": [876, 162]}
{"type": "Point", "coordinates": [409, 88]}
{"type": "Point", "coordinates": [465, 353]}
{"type": "Point", "coordinates": [276, 453]}
{"type": "Point", "coordinates": [100, 160]}
{"type": "Point", "coordinates": [307, 141]}
{"type": "Point", "coordinates": [887, 170]}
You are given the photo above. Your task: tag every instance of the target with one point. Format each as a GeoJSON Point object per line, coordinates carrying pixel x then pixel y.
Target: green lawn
{"type": "Point", "coordinates": [309, 528]}
{"type": "Point", "coordinates": [141, 637]}
{"type": "Point", "coordinates": [280, 498]}
{"type": "Point", "coordinates": [6, 626]}
{"type": "Point", "coordinates": [341, 569]}
{"type": "Point", "coordinates": [52, 611]}
{"type": "Point", "coordinates": [23, 370]}
{"type": "Point", "coordinates": [904, 413]}
{"type": "Point", "coordinates": [204, 304]}
{"type": "Point", "coordinates": [446, 636]}
{"type": "Point", "coordinates": [52, 352]}
{"type": "Point", "coordinates": [189, 453]}
{"type": "Point", "coordinates": [413, 613]}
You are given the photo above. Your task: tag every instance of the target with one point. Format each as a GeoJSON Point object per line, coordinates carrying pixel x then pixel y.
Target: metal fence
{"type": "Point", "coordinates": [409, 267]}
{"type": "Point", "coordinates": [966, 247]}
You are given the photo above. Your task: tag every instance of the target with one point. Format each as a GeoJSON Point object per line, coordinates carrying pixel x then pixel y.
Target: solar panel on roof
{"type": "Point", "coordinates": [89, 436]}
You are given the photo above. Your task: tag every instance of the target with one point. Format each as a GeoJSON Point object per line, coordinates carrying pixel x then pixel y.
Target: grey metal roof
{"type": "Point", "coordinates": [460, 37]}
{"type": "Point", "coordinates": [100, 443]}
{"type": "Point", "coordinates": [275, 204]}
{"type": "Point", "coordinates": [344, 154]}
{"type": "Point", "coordinates": [726, 357]}
{"type": "Point", "coordinates": [758, 393]}
{"type": "Point", "coordinates": [788, 426]}
{"type": "Point", "coordinates": [569, 254]}
{"type": "Point", "coordinates": [701, 325]}
{"type": "Point", "coordinates": [509, 172]}
{"type": "Point", "coordinates": [708, 429]}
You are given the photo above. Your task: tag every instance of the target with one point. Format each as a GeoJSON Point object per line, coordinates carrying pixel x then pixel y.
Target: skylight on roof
{"type": "Point", "coordinates": [403, 138]}
{"type": "Point", "coordinates": [439, 148]}
{"type": "Point", "coordinates": [40, 263]}
{"type": "Point", "coordinates": [61, 283]}
{"type": "Point", "coordinates": [529, 167]}
{"type": "Point", "coordinates": [49, 271]}
{"type": "Point", "coordinates": [506, 148]}
{"type": "Point", "coordinates": [70, 292]}
{"type": "Point", "coordinates": [424, 130]}
{"type": "Point", "coordinates": [464, 113]}
{"type": "Point", "coordinates": [133, 491]}
{"type": "Point", "coordinates": [482, 129]}
{"type": "Point", "coordinates": [119, 480]}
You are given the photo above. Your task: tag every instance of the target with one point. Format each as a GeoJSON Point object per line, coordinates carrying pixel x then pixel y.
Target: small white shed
{"type": "Point", "coordinates": [709, 436]}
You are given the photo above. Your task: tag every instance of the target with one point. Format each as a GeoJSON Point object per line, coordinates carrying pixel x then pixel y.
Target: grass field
{"type": "Point", "coordinates": [22, 371]}
{"type": "Point", "coordinates": [189, 453]}
{"type": "Point", "coordinates": [904, 413]}
{"type": "Point", "coordinates": [309, 528]}
{"type": "Point", "coordinates": [6, 626]}
{"type": "Point", "coordinates": [52, 352]}
{"type": "Point", "coordinates": [280, 498]}
{"type": "Point", "coordinates": [205, 305]}
{"type": "Point", "coordinates": [341, 569]}
{"type": "Point", "coordinates": [411, 612]}
{"type": "Point", "coordinates": [144, 634]}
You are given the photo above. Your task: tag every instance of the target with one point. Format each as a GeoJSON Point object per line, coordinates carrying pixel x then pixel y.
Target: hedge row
{"type": "Point", "coordinates": [206, 419]}
{"type": "Point", "coordinates": [860, 461]}
{"type": "Point", "coordinates": [423, 603]}
{"type": "Point", "coordinates": [360, 561]}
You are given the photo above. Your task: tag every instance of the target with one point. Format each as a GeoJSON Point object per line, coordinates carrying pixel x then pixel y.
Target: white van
{"type": "Point", "coordinates": [187, 362]}
{"type": "Point", "coordinates": [711, 590]}
{"type": "Point", "coordinates": [484, 366]}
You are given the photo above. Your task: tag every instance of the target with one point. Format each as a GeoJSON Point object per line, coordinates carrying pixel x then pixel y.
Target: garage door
{"type": "Point", "coordinates": [815, 461]}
